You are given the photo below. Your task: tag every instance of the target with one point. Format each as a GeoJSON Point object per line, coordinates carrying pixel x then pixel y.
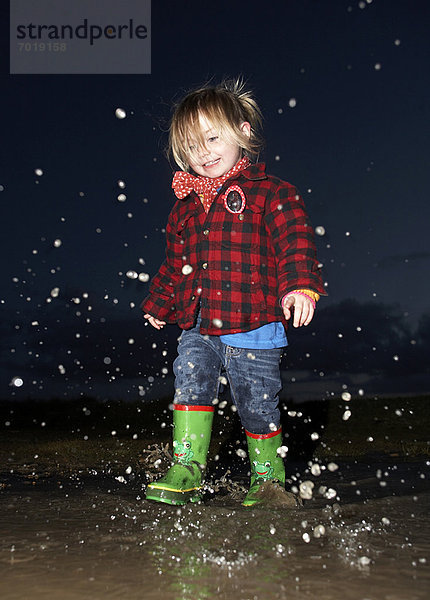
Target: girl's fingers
{"type": "Point", "coordinates": [303, 310]}
{"type": "Point", "coordinates": [299, 314]}
{"type": "Point", "coordinates": [310, 316]}
{"type": "Point", "coordinates": [155, 322]}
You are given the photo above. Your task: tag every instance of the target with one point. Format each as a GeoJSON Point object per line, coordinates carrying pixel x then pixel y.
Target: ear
{"type": "Point", "coordinates": [246, 128]}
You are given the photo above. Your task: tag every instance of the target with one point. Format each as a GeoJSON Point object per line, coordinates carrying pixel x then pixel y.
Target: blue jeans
{"type": "Point", "coordinates": [253, 375]}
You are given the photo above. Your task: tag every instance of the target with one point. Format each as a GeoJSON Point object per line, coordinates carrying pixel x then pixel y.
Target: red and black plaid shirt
{"type": "Point", "coordinates": [238, 266]}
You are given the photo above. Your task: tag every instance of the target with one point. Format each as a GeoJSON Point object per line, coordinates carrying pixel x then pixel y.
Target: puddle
{"type": "Point", "coordinates": [94, 537]}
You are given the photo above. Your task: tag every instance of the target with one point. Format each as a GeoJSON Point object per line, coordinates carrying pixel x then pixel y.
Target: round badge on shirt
{"type": "Point", "coordinates": [234, 200]}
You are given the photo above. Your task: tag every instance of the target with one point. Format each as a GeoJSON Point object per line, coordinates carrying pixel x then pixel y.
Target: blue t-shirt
{"type": "Point", "coordinates": [267, 336]}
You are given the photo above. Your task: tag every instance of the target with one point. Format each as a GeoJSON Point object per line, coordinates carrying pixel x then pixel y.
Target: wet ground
{"type": "Point", "coordinates": [365, 534]}
{"type": "Point", "coordinates": [74, 522]}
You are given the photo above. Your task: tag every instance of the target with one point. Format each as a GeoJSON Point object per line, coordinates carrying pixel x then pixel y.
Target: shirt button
{"type": "Point", "coordinates": [193, 297]}
{"type": "Point", "coordinates": [205, 232]}
{"type": "Point", "coordinates": [205, 265]}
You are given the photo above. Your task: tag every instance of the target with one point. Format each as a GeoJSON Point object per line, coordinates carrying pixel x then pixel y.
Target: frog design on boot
{"type": "Point", "coordinates": [182, 452]}
{"type": "Point", "coordinates": [263, 470]}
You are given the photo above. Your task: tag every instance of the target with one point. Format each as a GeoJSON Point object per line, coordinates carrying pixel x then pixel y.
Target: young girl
{"type": "Point", "coordinates": [240, 263]}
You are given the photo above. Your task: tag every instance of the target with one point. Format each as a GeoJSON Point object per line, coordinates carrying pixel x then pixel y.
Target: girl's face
{"type": "Point", "coordinates": [218, 155]}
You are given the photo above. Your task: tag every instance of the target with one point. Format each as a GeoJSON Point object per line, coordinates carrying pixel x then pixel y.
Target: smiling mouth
{"type": "Point", "coordinates": [211, 163]}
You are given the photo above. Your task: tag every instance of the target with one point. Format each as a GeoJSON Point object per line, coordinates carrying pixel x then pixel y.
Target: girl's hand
{"type": "Point", "coordinates": [303, 309]}
{"type": "Point", "coordinates": [155, 322]}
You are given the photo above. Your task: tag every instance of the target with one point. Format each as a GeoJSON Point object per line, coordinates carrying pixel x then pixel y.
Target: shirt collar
{"type": "Point", "coordinates": [254, 172]}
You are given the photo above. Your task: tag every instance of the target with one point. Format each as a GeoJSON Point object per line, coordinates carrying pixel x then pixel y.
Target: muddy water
{"type": "Point", "coordinates": [95, 537]}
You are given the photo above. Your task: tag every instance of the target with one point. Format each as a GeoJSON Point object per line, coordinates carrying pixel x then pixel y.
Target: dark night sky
{"type": "Point", "coordinates": [355, 144]}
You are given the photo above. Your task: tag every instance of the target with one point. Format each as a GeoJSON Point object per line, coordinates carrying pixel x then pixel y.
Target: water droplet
{"type": "Point", "coordinates": [282, 451]}
{"type": "Point", "coordinates": [320, 230]}
{"type": "Point", "coordinates": [306, 489]}
{"type": "Point", "coordinates": [122, 198]}
{"type": "Point", "coordinates": [319, 531]}
{"type": "Point", "coordinates": [38, 172]}
{"type": "Point", "coordinates": [57, 243]}
{"type": "Point", "coordinates": [17, 382]}
{"type": "Point", "coordinates": [216, 322]}
{"type": "Point", "coordinates": [292, 102]}
{"type": "Point", "coordinates": [132, 275]}
{"type": "Point", "coordinates": [316, 469]}
{"type": "Point", "coordinates": [187, 269]}
{"type": "Point", "coordinates": [346, 396]}
{"type": "Point", "coordinates": [330, 493]}
{"type": "Point", "coordinates": [144, 277]}
{"type": "Point", "coordinates": [120, 113]}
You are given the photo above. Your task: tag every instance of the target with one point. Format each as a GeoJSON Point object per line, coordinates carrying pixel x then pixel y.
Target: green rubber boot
{"type": "Point", "coordinates": [266, 463]}
{"type": "Point", "coordinates": [183, 482]}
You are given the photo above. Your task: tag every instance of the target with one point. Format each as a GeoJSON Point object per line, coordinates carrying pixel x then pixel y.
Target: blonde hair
{"type": "Point", "coordinates": [226, 106]}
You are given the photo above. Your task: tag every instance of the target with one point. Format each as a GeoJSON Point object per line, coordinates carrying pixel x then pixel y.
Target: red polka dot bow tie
{"type": "Point", "coordinates": [184, 183]}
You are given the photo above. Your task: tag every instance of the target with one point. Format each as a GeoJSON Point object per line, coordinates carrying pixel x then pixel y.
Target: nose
{"type": "Point", "coordinates": [203, 151]}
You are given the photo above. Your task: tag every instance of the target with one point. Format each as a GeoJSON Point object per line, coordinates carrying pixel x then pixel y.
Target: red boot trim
{"type": "Point", "coordinates": [192, 407]}
{"type": "Point", "coordinates": [263, 436]}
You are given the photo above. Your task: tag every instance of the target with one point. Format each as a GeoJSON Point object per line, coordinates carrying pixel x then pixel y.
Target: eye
{"type": "Point", "coordinates": [267, 464]}
{"type": "Point", "coordinates": [213, 138]}
{"type": "Point", "coordinates": [187, 445]}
